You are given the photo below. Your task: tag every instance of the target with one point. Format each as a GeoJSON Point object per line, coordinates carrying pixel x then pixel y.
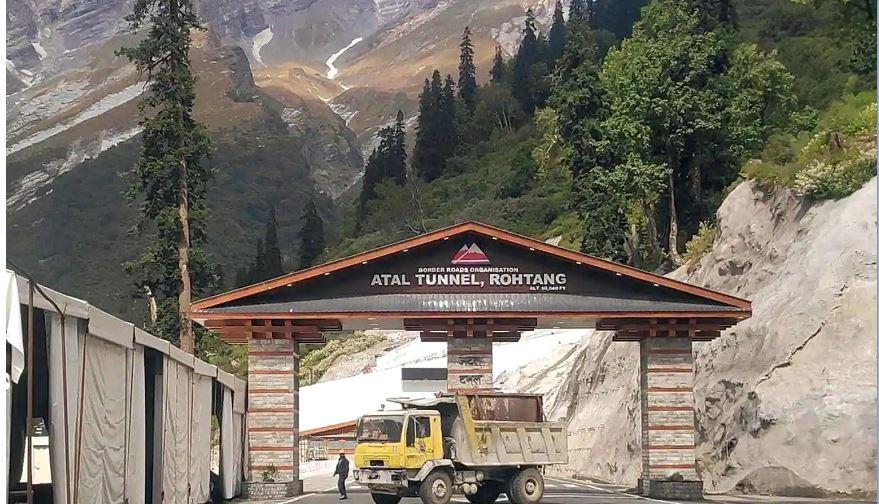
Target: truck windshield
{"type": "Point", "coordinates": [380, 428]}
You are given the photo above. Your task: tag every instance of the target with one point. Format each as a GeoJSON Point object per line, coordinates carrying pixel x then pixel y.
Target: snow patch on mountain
{"type": "Point", "coordinates": [332, 70]}
{"type": "Point", "coordinates": [41, 52]}
{"type": "Point", "coordinates": [259, 41]}
{"type": "Point", "coordinates": [105, 104]}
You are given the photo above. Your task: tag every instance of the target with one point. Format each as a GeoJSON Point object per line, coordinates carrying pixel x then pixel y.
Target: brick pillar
{"type": "Point", "coordinates": [469, 364]}
{"type": "Point", "coordinates": [667, 420]}
{"type": "Point", "coordinates": [273, 410]}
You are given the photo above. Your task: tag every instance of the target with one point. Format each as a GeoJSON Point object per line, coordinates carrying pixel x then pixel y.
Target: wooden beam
{"type": "Point", "coordinates": [417, 323]}
{"type": "Point", "coordinates": [500, 337]}
{"type": "Point", "coordinates": [242, 338]}
{"type": "Point", "coordinates": [736, 315]}
{"type": "Point", "coordinates": [467, 328]}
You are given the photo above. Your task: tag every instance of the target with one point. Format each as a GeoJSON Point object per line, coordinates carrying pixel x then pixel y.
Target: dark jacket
{"type": "Point", "coordinates": [342, 468]}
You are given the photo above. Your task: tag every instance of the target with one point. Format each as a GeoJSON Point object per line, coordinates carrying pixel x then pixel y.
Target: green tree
{"type": "Point", "coordinates": [578, 101]}
{"type": "Point", "coordinates": [527, 57]}
{"type": "Point", "coordinates": [577, 11]}
{"type": "Point", "coordinates": [426, 156]}
{"type": "Point", "coordinates": [396, 163]}
{"type": "Point", "coordinates": [678, 124]}
{"type": "Point", "coordinates": [856, 19]}
{"type": "Point", "coordinates": [467, 73]}
{"type": "Point", "coordinates": [618, 16]}
{"type": "Point", "coordinates": [272, 261]}
{"type": "Point", "coordinates": [577, 98]}
{"type": "Point", "coordinates": [313, 241]}
{"type": "Point", "coordinates": [449, 124]}
{"type": "Point", "coordinates": [171, 176]}
{"type": "Point", "coordinates": [557, 33]}
{"type": "Point", "coordinates": [498, 68]}
{"type": "Point", "coordinates": [714, 14]}
{"type": "Point", "coordinates": [376, 170]}
{"type": "Point", "coordinates": [497, 109]}
{"type": "Point", "coordinates": [436, 136]}
{"type": "Point", "coordinates": [387, 162]}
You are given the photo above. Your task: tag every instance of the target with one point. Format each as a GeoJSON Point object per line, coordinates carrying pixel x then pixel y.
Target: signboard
{"type": "Point", "coordinates": [470, 269]}
{"type": "Point", "coordinates": [472, 263]}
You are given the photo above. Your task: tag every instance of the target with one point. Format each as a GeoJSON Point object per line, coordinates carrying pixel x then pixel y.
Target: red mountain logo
{"type": "Point", "coordinates": [470, 254]}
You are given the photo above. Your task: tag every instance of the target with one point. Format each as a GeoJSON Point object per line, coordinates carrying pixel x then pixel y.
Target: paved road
{"type": "Point", "coordinates": [321, 489]}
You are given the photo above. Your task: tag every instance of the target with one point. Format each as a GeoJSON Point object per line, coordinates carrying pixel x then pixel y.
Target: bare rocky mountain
{"type": "Point", "coordinates": [305, 83]}
{"type": "Point", "coordinates": [71, 98]}
{"type": "Point", "coordinates": [786, 400]}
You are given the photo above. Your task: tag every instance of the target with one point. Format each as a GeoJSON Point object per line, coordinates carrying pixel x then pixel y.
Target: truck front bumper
{"type": "Point", "coordinates": [386, 478]}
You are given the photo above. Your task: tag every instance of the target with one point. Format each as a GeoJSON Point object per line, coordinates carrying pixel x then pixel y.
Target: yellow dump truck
{"type": "Point", "coordinates": [481, 445]}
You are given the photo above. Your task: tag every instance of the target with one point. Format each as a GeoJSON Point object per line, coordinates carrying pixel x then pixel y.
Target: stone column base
{"type": "Point", "coordinates": [264, 490]}
{"type": "Point", "coordinates": [667, 489]}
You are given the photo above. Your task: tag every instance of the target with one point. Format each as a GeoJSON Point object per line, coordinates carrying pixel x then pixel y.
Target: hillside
{"type": "Point", "coordinates": [68, 219]}
{"type": "Point", "coordinates": [798, 377]}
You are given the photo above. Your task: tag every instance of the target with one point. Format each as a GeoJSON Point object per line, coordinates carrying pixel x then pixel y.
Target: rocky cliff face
{"type": "Point", "coordinates": [786, 401]}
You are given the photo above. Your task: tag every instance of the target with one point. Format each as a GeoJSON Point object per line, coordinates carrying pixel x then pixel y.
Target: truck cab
{"type": "Point", "coordinates": [403, 440]}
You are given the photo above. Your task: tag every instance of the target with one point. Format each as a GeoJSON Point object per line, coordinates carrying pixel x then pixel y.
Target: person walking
{"type": "Point", "coordinates": [342, 472]}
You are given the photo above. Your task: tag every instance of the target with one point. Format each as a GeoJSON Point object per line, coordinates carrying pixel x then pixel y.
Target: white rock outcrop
{"type": "Point", "coordinates": [786, 401]}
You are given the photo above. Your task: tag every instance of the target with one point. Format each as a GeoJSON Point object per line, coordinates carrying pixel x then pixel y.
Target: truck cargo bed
{"type": "Point", "coordinates": [502, 443]}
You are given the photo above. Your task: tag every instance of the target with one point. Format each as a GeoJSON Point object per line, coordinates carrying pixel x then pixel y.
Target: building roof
{"type": "Point", "coordinates": [469, 270]}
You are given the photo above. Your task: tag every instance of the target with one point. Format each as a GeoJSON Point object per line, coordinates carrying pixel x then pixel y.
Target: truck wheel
{"type": "Point", "coordinates": [436, 488]}
{"type": "Point", "coordinates": [526, 487]}
{"type": "Point", "coordinates": [380, 498]}
{"type": "Point", "coordinates": [487, 493]}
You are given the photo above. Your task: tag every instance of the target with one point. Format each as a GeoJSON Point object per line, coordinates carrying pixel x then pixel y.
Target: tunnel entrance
{"type": "Point", "coordinates": [471, 285]}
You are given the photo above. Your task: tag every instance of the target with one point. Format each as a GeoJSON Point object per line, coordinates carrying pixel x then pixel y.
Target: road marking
{"type": "Point", "coordinates": [304, 495]}
{"type": "Point", "coordinates": [639, 497]}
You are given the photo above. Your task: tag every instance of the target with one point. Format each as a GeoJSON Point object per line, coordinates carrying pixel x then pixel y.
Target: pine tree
{"type": "Point", "coordinates": [170, 177]}
{"type": "Point", "coordinates": [242, 277]}
{"type": "Point", "coordinates": [258, 267]}
{"type": "Point", "coordinates": [557, 33]}
{"type": "Point", "coordinates": [375, 172]}
{"type": "Point", "coordinates": [387, 162]}
{"type": "Point", "coordinates": [577, 11]}
{"type": "Point", "coordinates": [449, 121]}
{"type": "Point", "coordinates": [396, 164]}
{"type": "Point", "coordinates": [312, 235]}
{"type": "Point", "coordinates": [450, 134]}
{"type": "Point", "coordinates": [272, 263]}
{"type": "Point", "coordinates": [428, 159]}
{"type": "Point", "coordinates": [497, 72]}
{"type": "Point", "coordinates": [527, 56]}
{"type": "Point", "coordinates": [448, 103]}
{"type": "Point", "coordinates": [467, 73]}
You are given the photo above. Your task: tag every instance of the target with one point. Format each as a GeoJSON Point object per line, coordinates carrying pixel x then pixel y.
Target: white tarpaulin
{"type": "Point", "coordinates": [227, 446]}
{"type": "Point", "coordinates": [239, 408]}
{"type": "Point", "coordinates": [200, 467]}
{"type": "Point", "coordinates": [100, 466]}
{"type": "Point", "coordinates": [65, 358]}
{"type": "Point", "coordinates": [238, 447]}
{"type": "Point", "coordinates": [135, 484]}
{"type": "Point", "coordinates": [12, 324]}
{"type": "Point", "coordinates": [178, 421]}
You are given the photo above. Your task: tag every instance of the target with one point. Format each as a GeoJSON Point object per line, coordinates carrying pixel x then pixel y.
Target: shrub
{"type": "Point", "coordinates": [826, 179]}
{"type": "Point", "coordinates": [701, 243]}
